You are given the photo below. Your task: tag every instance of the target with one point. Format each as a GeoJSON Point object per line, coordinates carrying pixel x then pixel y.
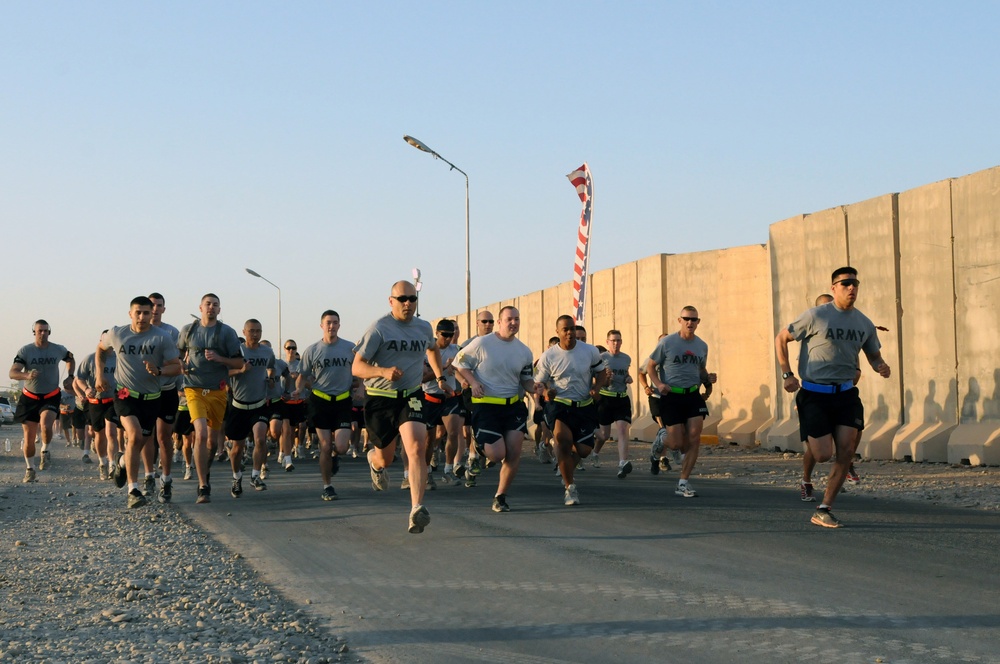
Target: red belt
{"type": "Point", "coordinates": [32, 395]}
{"type": "Point", "coordinates": [433, 399]}
{"type": "Point", "coordinates": [101, 401]}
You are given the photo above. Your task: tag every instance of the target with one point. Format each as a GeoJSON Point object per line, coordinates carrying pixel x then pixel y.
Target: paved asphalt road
{"type": "Point", "coordinates": [633, 574]}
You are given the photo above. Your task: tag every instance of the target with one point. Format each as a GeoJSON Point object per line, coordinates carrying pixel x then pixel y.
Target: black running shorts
{"type": "Point", "coordinates": [820, 413]}
{"type": "Point", "coordinates": [384, 415]}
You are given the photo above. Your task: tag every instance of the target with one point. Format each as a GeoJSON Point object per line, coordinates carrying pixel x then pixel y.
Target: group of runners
{"type": "Point", "coordinates": [152, 390]}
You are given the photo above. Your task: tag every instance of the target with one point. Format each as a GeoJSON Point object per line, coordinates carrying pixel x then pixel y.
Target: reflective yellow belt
{"type": "Point", "coordinates": [141, 396]}
{"type": "Point", "coordinates": [608, 393]}
{"type": "Point", "coordinates": [330, 397]}
{"type": "Point", "coordinates": [500, 401]}
{"type": "Point", "coordinates": [392, 394]}
{"type": "Point", "coordinates": [685, 390]}
{"type": "Point", "coordinates": [573, 404]}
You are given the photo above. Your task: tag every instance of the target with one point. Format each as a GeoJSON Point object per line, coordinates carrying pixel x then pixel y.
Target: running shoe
{"type": "Point", "coordinates": [289, 467]}
{"type": "Point", "coordinates": [119, 475]}
{"type": "Point", "coordinates": [46, 460]}
{"type": "Point", "coordinates": [824, 517]}
{"type": "Point", "coordinates": [328, 493]}
{"type": "Point", "coordinates": [258, 482]}
{"type": "Point", "coordinates": [102, 471]}
{"type": "Point", "coordinates": [29, 476]}
{"type": "Point", "coordinates": [148, 486]}
{"type": "Point", "coordinates": [187, 472]}
{"type": "Point", "coordinates": [677, 457]}
{"type": "Point", "coordinates": [572, 497]}
{"type": "Point", "coordinates": [500, 503]}
{"type": "Point", "coordinates": [86, 458]}
{"type": "Point", "coordinates": [684, 490]}
{"type": "Point", "coordinates": [459, 471]}
{"type": "Point", "coordinates": [166, 492]}
{"type": "Point", "coordinates": [542, 453]}
{"type": "Point", "coordinates": [624, 469]}
{"type": "Point", "coordinates": [335, 464]}
{"type": "Point", "coordinates": [419, 518]}
{"type": "Point", "coordinates": [656, 450]}
{"type": "Point", "coordinates": [136, 499]}
{"type": "Point", "coordinates": [237, 489]}
{"type": "Point", "coordinates": [431, 484]}
{"type": "Point", "coordinates": [470, 480]}
{"type": "Point", "coordinates": [654, 465]}
{"type": "Point", "coordinates": [204, 494]}
{"type": "Point", "coordinates": [222, 456]}
{"type": "Point", "coordinates": [354, 453]}
{"type": "Point", "coordinates": [380, 479]}
{"type": "Point", "coordinates": [490, 463]}
{"type": "Point", "coordinates": [806, 492]}
{"type": "Point", "coordinates": [448, 478]}
{"type": "Point", "coordinates": [664, 464]}
{"type": "Point", "coordinates": [405, 484]}
{"type": "Point", "coordinates": [852, 475]}
{"type": "Point", "coordinates": [596, 461]}
{"type": "Point", "coordinates": [579, 466]}
{"type": "Point", "coordinates": [475, 466]}
{"type": "Point", "coordinates": [263, 471]}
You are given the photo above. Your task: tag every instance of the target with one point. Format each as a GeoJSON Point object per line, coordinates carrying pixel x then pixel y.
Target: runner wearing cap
{"type": "Point", "coordinates": [443, 410]}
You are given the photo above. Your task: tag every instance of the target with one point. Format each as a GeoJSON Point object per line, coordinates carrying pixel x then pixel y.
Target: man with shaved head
{"type": "Point", "coordinates": [389, 358]}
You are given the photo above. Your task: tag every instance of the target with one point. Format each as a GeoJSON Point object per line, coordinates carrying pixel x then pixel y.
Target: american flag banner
{"type": "Point", "coordinates": [585, 189]}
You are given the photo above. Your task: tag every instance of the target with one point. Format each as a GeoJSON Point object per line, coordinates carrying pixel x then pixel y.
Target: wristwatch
{"type": "Point", "coordinates": [787, 375]}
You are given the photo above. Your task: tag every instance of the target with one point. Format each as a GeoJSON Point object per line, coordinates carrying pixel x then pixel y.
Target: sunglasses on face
{"type": "Point", "coordinates": [691, 319]}
{"type": "Point", "coordinates": [446, 335]}
{"type": "Point", "coordinates": [404, 298]}
{"type": "Point", "coordinates": [847, 283]}
{"type": "Point", "coordinates": [486, 322]}
{"type": "Point", "coordinates": [291, 347]}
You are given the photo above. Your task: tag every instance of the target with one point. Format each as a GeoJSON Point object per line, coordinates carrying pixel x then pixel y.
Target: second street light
{"type": "Point", "coordinates": [254, 274]}
{"type": "Point", "coordinates": [468, 274]}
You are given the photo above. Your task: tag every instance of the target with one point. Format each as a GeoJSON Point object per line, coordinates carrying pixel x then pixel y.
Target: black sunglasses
{"type": "Point", "coordinates": [691, 319]}
{"type": "Point", "coordinates": [405, 298]}
{"type": "Point", "coordinates": [447, 335]}
{"type": "Point", "coordinates": [847, 283]}
{"type": "Point", "coordinates": [486, 322]}
{"type": "Point", "coordinates": [291, 347]}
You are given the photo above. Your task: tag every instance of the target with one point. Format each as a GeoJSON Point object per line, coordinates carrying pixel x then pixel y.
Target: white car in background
{"type": "Point", "coordinates": [6, 413]}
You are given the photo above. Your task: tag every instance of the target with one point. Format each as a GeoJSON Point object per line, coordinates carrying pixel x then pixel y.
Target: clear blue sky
{"type": "Point", "coordinates": [168, 145]}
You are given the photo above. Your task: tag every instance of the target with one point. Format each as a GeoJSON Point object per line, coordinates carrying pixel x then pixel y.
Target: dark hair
{"type": "Point", "coordinates": [553, 340]}
{"type": "Point", "coordinates": [40, 321]}
{"type": "Point", "coordinates": [581, 328]}
{"type": "Point", "coordinates": [847, 269]}
{"type": "Point", "coordinates": [209, 295]}
{"type": "Point", "coordinates": [618, 332]}
{"type": "Point", "coordinates": [601, 348]}
{"type": "Point", "coordinates": [824, 296]}
{"type": "Point", "coordinates": [141, 300]}
{"type": "Point", "coordinates": [156, 296]}
{"type": "Point", "coordinates": [565, 317]}
{"type": "Point", "coordinates": [251, 320]}
{"type": "Point", "coordinates": [505, 308]}
{"type": "Point", "coordinates": [329, 312]}
{"type": "Point", "coordinates": [445, 325]}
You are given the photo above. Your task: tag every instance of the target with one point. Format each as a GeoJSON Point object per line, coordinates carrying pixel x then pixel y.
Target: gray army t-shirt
{"type": "Point", "coordinates": [449, 352]}
{"type": "Point", "coordinates": [500, 366]}
{"type": "Point", "coordinates": [830, 340]}
{"type": "Point", "coordinates": [680, 360]}
{"type": "Point", "coordinates": [194, 340]}
{"type": "Point", "coordinates": [570, 372]}
{"type": "Point", "coordinates": [619, 365]}
{"type": "Point", "coordinates": [169, 382]}
{"type": "Point", "coordinates": [87, 372]}
{"type": "Point", "coordinates": [251, 386]}
{"type": "Point", "coordinates": [393, 343]}
{"type": "Point", "coordinates": [329, 366]}
{"type": "Point", "coordinates": [46, 360]}
{"type": "Point", "coordinates": [132, 350]}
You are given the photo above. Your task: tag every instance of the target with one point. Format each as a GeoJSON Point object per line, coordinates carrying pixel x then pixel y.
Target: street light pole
{"type": "Point", "coordinates": [468, 273]}
{"type": "Point", "coordinates": [281, 340]}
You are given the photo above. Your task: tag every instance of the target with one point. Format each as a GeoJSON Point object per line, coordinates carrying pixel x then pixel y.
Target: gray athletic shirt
{"type": "Point", "coordinates": [132, 349]}
{"type": "Point", "coordinates": [830, 340]}
{"type": "Point", "coordinates": [570, 372]}
{"type": "Point", "coordinates": [46, 360]}
{"type": "Point", "coordinates": [203, 374]}
{"type": "Point", "coordinates": [449, 352]}
{"type": "Point", "coordinates": [642, 369]}
{"type": "Point", "coordinates": [169, 382]}
{"type": "Point", "coordinates": [680, 361]}
{"type": "Point", "coordinates": [619, 365]}
{"type": "Point", "coordinates": [277, 390]}
{"type": "Point", "coordinates": [499, 365]}
{"type": "Point", "coordinates": [394, 343]}
{"type": "Point", "coordinates": [251, 386]}
{"type": "Point", "coordinates": [87, 372]}
{"type": "Point", "coordinates": [329, 366]}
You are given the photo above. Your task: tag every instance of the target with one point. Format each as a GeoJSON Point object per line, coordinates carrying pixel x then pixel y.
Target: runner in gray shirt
{"type": "Point", "coordinates": [614, 410]}
{"type": "Point", "coordinates": [498, 369]}
{"type": "Point", "coordinates": [484, 327]}
{"type": "Point", "coordinates": [325, 375]}
{"type": "Point", "coordinates": [389, 358]}
{"type": "Point", "coordinates": [442, 411]}
{"type": "Point", "coordinates": [100, 409]}
{"type": "Point", "coordinates": [676, 367]}
{"type": "Point", "coordinates": [143, 354]}
{"type": "Point", "coordinates": [568, 374]}
{"type": "Point", "coordinates": [248, 413]}
{"type": "Point", "coordinates": [830, 411]}
{"type": "Point", "coordinates": [167, 416]}
{"type": "Point", "coordinates": [37, 364]}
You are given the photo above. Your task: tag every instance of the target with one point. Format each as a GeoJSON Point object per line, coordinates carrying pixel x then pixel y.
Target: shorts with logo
{"type": "Point", "coordinates": [438, 406]}
{"type": "Point", "coordinates": [240, 421]}
{"type": "Point", "coordinates": [274, 410]}
{"type": "Point", "coordinates": [183, 426]}
{"type": "Point", "coordinates": [820, 413]}
{"type": "Point", "coordinates": [100, 413]}
{"type": "Point", "coordinates": [79, 418]}
{"type": "Point", "coordinates": [30, 406]}
{"type": "Point", "coordinates": [144, 410]}
{"type": "Point", "coordinates": [294, 412]}
{"type": "Point", "coordinates": [329, 415]}
{"type": "Point", "coordinates": [208, 405]}
{"type": "Point", "coordinates": [168, 408]}
{"type": "Point", "coordinates": [614, 409]}
{"type": "Point", "coordinates": [384, 416]}
{"type": "Point", "coordinates": [581, 420]}
{"type": "Point", "coordinates": [679, 408]}
{"type": "Point", "coordinates": [491, 421]}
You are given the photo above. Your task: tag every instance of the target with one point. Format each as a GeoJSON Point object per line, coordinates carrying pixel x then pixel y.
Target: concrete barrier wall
{"type": "Point", "coordinates": [929, 262]}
